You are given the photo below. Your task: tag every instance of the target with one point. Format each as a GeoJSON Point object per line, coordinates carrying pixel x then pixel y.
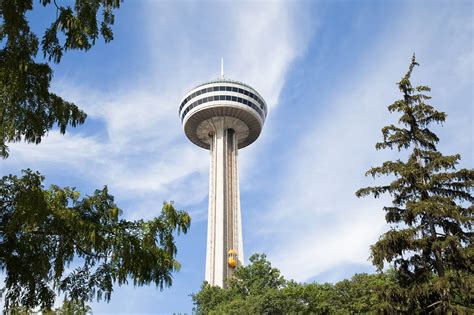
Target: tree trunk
{"type": "Point", "coordinates": [439, 266]}
{"type": "Point", "coordinates": [437, 252]}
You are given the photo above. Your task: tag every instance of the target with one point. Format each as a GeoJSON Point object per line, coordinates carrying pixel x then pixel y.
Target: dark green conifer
{"type": "Point", "coordinates": [430, 240]}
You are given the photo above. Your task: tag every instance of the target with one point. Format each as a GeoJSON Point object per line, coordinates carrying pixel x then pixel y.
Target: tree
{"type": "Point", "coordinates": [365, 293]}
{"type": "Point", "coordinates": [68, 308]}
{"type": "Point", "coordinates": [260, 289]}
{"type": "Point", "coordinates": [430, 240]}
{"type": "Point", "coordinates": [44, 231]}
{"type": "Point", "coordinates": [28, 109]}
{"type": "Point", "coordinates": [254, 279]}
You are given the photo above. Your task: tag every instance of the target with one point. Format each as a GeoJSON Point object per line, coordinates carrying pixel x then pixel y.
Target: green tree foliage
{"type": "Point", "coordinates": [53, 241]}
{"type": "Point", "coordinates": [260, 289]}
{"type": "Point", "coordinates": [68, 308]}
{"type": "Point", "coordinates": [28, 109]}
{"type": "Point", "coordinates": [430, 242]}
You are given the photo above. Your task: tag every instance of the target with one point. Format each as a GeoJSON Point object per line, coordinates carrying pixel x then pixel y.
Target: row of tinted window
{"type": "Point", "coordinates": [222, 88]}
{"type": "Point", "coordinates": [221, 98]}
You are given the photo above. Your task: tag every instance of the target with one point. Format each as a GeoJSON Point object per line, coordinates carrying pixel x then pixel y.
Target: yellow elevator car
{"type": "Point", "coordinates": [232, 258]}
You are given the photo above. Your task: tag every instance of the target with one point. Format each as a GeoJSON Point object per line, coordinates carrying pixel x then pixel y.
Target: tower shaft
{"type": "Point", "coordinates": [224, 231]}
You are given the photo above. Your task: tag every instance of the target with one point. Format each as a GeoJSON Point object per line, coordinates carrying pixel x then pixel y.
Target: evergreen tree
{"type": "Point", "coordinates": [431, 216]}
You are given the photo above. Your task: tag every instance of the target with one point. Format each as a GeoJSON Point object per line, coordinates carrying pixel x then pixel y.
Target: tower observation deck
{"type": "Point", "coordinates": [223, 116]}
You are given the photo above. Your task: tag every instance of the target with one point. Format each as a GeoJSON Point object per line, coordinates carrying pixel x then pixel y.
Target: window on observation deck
{"type": "Point", "coordinates": [221, 97]}
{"type": "Point", "coordinates": [259, 101]}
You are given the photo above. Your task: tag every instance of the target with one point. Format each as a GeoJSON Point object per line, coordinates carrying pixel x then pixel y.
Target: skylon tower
{"type": "Point", "coordinates": [223, 116]}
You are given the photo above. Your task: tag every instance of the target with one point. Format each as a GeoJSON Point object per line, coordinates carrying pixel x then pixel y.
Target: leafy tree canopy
{"type": "Point", "coordinates": [380, 293]}
{"type": "Point", "coordinates": [68, 308]}
{"type": "Point", "coordinates": [28, 109]}
{"type": "Point", "coordinates": [430, 242]}
{"type": "Point", "coordinates": [53, 241]}
{"type": "Point", "coordinates": [260, 289]}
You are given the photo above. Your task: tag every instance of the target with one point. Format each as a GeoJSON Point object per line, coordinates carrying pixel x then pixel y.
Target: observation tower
{"type": "Point", "coordinates": [223, 116]}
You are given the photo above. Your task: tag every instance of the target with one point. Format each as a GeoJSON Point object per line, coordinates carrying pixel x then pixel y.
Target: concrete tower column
{"type": "Point", "coordinates": [224, 230]}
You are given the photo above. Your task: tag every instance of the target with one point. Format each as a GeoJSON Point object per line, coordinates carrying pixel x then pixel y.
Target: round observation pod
{"type": "Point", "coordinates": [241, 107]}
{"type": "Point", "coordinates": [232, 258]}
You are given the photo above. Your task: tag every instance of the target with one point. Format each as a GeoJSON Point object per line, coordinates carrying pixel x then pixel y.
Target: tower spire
{"type": "Point", "coordinates": [222, 68]}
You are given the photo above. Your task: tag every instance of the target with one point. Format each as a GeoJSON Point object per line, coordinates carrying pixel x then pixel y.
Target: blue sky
{"type": "Point", "coordinates": [327, 70]}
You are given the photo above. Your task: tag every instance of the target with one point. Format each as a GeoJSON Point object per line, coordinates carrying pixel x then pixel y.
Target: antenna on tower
{"type": "Point", "coordinates": [222, 68]}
